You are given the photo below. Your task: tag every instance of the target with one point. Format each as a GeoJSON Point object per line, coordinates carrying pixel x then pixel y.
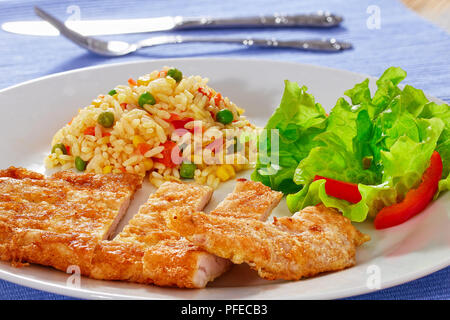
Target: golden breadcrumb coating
{"type": "Point", "coordinates": [314, 240]}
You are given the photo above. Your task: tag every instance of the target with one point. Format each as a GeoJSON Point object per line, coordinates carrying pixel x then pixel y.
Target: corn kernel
{"type": "Point", "coordinates": [225, 172]}
{"type": "Point", "coordinates": [240, 111]}
{"type": "Point", "coordinates": [137, 140]}
{"type": "Point", "coordinates": [97, 102]}
{"type": "Point", "coordinates": [230, 170]}
{"type": "Point", "coordinates": [239, 166]}
{"type": "Point", "coordinates": [144, 80]}
{"type": "Point", "coordinates": [107, 169]}
{"type": "Point", "coordinates": [148, 164]}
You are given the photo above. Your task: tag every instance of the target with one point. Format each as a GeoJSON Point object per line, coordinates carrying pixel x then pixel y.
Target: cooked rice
{"type": "Point", "coordinates": [115, 149]}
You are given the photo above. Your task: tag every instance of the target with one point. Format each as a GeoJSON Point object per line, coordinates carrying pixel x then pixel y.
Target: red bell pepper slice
{"type": "Point", "coordinates": [341, 190]}
{"type": "Point", "coordinates": [415, 200]}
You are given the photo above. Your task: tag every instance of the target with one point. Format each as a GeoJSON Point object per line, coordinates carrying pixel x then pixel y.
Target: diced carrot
{"type": "Point", "coordinates": [106, 134]}
{"type": "Point", "coordinates": [162, 74]}
{"type": "Point", "coordinates": [217, 98]}
{"type": "Point", "coordinates": [173, 116]}
{"type": "Point", "coordinates": [89, 131]}
{"type": "Point", "coordinates": [131, 82]}
{"type": "Point", "coordinates": [143, 148]}
{"type": "Point", "coordinates": [167, 155]}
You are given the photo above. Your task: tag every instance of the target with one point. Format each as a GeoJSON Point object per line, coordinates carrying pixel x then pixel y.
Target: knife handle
{"type": "Point", "coordinates": [326, 45]}
{"type": "Point", "coordinates": [319, 19]}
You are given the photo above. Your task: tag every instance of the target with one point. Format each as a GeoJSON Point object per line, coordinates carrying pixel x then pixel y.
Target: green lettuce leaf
{"type": "Point", "coordinates": [404, 165]}
{"type": "Point", "coordinates": [297, 121]}
{"type": "Point", "coordinates": [383, 144]}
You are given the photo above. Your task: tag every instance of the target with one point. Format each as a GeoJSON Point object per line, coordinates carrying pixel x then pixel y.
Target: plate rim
{"type": "Point", "coordinates": [92, 294]}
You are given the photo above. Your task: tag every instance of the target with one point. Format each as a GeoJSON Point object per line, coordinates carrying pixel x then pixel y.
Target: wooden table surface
{"type": "Point", "coordinates": [437, 11]}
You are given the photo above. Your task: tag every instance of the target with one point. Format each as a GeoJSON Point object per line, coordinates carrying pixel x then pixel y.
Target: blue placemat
{"type": "Point", "coordinates": [384, 33]}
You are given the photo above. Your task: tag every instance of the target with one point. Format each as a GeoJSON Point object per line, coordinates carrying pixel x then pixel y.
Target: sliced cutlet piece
{"type": "Point", "coordinates": [59, 221]}
{"type": "Point", "coordinates": [180, 263]}
{"type": "Point", "coordinates": [148, 227]}
{"type": "Point", "coordinates": [314, 240]}
{"type": "Point", "coordinates": [116, 260]}
{"type": "Point", "coordinates": [22, 246]}
{"type": "Point", "coordinates": [249, 200]}
{"type": "Point", "coordinates": [147, 251]}
{"type": "Point", "coordinates": [110, 194]}
{"type": "Point", "coordinates": [65, 203]}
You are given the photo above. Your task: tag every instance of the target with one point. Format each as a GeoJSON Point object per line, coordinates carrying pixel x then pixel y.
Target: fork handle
{"type": "Point", "coordinates": [328, 45]}
{"type": "Point", "coordinates": [319, 19]}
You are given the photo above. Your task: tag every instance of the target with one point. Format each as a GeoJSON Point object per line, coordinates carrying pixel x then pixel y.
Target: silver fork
{"type": "Point", "coordinates": [121, 48]}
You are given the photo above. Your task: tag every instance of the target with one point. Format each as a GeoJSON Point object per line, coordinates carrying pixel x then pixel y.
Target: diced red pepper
{"type": "Point", "coordinates": [212, 115]}
{"type": "Point", "coordinates": [124, 105]}
{"type": "Point", "coordinates": [89, 131]}
{"type": "Point", "coordinates": [341, 190]}
{"type": "Point", "coordinates": [67, 149]}
{"type": "Point", "coordinates": [179, 123]}
{"type": "Point", "coordinates": [143, 148]}
{"type": "Point", "coordinates": [415, 200]}
{"type": "Point", "coordinates": [173, 116]}
{"type": "Point", "coordinates": [167, 154]}
{"type": "Point", "coordinates": [205, 92]}
{"type": "Point", "coordinates": [217, 98]}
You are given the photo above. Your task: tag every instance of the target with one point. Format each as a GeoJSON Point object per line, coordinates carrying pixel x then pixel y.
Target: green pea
{"type": "Point", "coordinates": [224, 116]}
{"type": "Point", "coordinates": [106, 119]}
{"type": "Point", "coordinates": [80, 164]}
{"type": "Point", "coordinates": [112, 92]}
{"type": "Point", "coordinates": [59, 146]}
{"type": "Point", "coordinates": [146, 98]}
{"type": "Point", "coordinates": [187, 170]}
{"type": "Point", "coordinates": [175, 74]}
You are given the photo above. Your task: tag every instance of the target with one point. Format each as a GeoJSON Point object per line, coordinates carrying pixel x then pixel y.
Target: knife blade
{"type": "Point", "coordinates": [124, 26]}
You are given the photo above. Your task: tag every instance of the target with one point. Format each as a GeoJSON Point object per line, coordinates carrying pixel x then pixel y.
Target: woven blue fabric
{"type": "Point", "coordinates": [402, 39]}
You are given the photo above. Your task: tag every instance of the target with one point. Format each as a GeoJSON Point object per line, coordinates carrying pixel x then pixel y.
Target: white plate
{"type": "Point", "coordinates": [32, 112]}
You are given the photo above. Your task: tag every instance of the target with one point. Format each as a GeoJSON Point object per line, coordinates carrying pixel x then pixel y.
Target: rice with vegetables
{"type": "Point", "coordinates": [165, 124]}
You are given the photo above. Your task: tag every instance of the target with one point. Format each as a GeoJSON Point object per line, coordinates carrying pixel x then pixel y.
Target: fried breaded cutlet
{"type": "Point", "coordinates": [66, 202]}
{"type": "Point", "coordinates": [178, 262]}
{"type": "Point", "coordinates": [159, 255]}
{"type": "Point", "coordinates": [58, 221]}
{"type": "Point", "coordinates": [64, 220]}
{"type": "Point", "coordinates": [147, 251]}
{"type": "Point", "coordinates": [249, 200]}
{"type": "Point", "coordinates": [314, 240]}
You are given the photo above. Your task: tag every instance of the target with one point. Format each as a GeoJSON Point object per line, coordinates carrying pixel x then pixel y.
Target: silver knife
{"type": "Point", "coordinates": [124, 26]}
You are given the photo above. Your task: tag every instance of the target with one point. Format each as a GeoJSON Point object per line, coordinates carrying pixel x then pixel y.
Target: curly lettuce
{"type": "Point", "coordinates": [382, 142]}
{"type": "Point", "coordinates": [297, 121]}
